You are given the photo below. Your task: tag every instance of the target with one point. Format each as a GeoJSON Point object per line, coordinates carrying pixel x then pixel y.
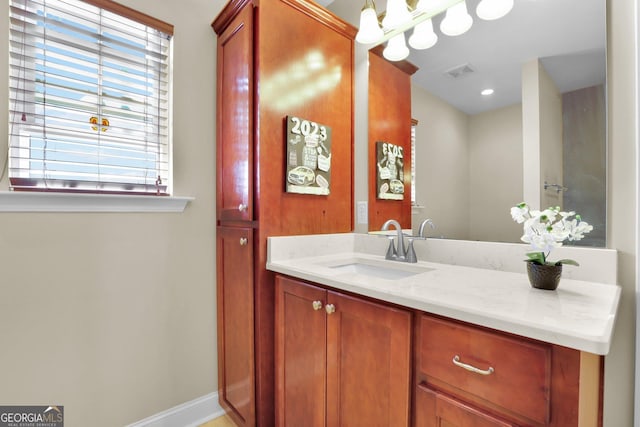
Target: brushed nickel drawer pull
{"type": "Point", "coordinates": [330, 308]}
{"type": "Point", "coordinates": [242, 207]}
{"type": "Point", "coordinates": [317, 305]}
{"type": "Point", "coordinates": [457, 362]}
{"type": "Point", "coordinates": [243, 241]}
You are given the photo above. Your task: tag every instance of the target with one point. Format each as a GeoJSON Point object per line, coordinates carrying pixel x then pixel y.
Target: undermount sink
{"type": "Point", "coordinates": [398, 271]}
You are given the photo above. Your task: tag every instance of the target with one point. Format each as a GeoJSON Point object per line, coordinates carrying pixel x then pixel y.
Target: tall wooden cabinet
{"type": "Point", "coordinates": [275, 58]}
{"type": "Point", "coordinates": [235, 313]}
{"type": "Point", "coordinates": [389, 121]}
{"type": "Point", "coordinates": [341, 360]}
{"type": "Point", "coordinates": [234, 190]}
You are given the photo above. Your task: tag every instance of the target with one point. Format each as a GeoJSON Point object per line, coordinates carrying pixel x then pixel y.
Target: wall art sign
{"type": "Point", "coordinates": [308, 157]}
{"type": "Point", "coordinates": [390, 173]}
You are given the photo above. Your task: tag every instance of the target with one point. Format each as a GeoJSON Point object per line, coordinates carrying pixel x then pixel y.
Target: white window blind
{"type": "Point", "coordinates": [89, 95]}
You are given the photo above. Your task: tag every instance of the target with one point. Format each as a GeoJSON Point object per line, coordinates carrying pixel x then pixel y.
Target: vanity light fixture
{"type": "Point", "coordinates": [493, 9]}
{"type": "Point", "coordinates": [402, 16]}
{"type": "Point", "coordinates": [487, 92]}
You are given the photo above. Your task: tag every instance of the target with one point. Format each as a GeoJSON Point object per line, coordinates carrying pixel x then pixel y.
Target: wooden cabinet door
{"type": "Point", "coordinates": [300, 354]}
{"type": "Point", "coordinates": [368, 363]}
{"type": "Point", "coordinates": [434, 409]}
{"type": "Point", "coordinates": [389, 120]}
{"type": "Point", "coordinates": [235, 119]}
{"type": "Point", "coordinates": [235, 323]}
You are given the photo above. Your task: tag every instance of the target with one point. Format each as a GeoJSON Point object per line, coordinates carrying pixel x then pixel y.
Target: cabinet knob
{"type": "Point", "coordinates": [242, 207]}
{"type": "Point", "coordinates": [243, 241]}
{"type": "Point", "coordinates": [317, 305]}
{"type": "Point", "coordinates": [330, 308]}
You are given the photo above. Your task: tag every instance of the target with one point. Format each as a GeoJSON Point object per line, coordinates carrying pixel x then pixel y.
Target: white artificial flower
{"type": "Point", "coordinates": [579, 230]}
{"type": "Point", "coordinates": [547, 229]}
{"type": "Point", "coordinates": [520, 214]}
{"type": "Point", "coordinates": [562, 230]}
{"type": "Point", "coordinates": [550, 214]}
{"type": "Point", "coordinates": [544, 243]}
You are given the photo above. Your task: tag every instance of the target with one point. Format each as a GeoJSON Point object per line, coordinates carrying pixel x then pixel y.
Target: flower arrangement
{"type": "Point", "coordinates": [547, 229]}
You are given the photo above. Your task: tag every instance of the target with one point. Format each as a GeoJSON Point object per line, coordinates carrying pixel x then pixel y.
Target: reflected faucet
{"type": "Point", "coordinates": [397, 253]}
{"type": "Point", "coordinates": [422, 226]}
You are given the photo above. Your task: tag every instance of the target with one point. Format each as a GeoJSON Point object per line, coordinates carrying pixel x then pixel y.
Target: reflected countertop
{"type": "Point", "coordinates": [579, 314]}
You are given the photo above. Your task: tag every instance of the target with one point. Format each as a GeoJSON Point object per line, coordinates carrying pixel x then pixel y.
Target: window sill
{"type": "Point", "coordinates": [17, 201]}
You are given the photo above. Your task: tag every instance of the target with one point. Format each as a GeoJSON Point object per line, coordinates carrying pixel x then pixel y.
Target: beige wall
{"type": "Point", "coordinates": [621, 206]}
{"type": "Point", "coordinates": [542, 135]}
{"type": "Point", "coordinates": [495, 161]}
{"type": "Point", "coordinates": [550, 139]}
{"type": "Point", "coordinates": [442, 165]}
{"type": "Point", "coordinates": [531, 132]}
{"type": "Point", "coordinates": [113, 315]}
{"type": "Point", "coordinates": [461, 165]}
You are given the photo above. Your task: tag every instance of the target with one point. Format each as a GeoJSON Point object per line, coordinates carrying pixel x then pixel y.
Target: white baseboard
{"type": "Point", "coordinates": [189, 414]}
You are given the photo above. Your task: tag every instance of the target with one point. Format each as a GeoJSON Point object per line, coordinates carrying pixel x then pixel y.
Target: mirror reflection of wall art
{"type": "Point", "coordinates": [308, 157]}
{"type": "Point", "coordinates": [390, 173]}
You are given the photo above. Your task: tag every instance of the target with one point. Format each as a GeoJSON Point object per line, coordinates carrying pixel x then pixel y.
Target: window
{"type": "Point", "coordinates": [89, 93]}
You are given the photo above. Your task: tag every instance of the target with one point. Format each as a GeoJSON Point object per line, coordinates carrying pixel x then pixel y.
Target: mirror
{"type": "Point", "coordinates": [476, 156]}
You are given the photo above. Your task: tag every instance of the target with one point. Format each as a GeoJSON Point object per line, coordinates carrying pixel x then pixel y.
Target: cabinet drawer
{"type": "Point", "coordinates": [507, 372]}
{"type": "Point", "coordinates": [436, 409]}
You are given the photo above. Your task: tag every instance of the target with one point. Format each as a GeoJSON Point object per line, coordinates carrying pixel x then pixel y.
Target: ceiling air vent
{"type": "Point", "coordinates": [459, 71]}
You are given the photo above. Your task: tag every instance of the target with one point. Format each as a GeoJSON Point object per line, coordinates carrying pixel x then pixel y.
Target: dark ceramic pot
{"type": "Point", "coordinates": [544, 276]}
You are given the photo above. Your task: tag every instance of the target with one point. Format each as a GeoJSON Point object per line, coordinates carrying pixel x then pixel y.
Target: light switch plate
{"type": "Point", "coordinates": [362, 214]}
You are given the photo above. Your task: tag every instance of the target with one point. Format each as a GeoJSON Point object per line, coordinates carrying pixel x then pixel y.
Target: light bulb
{"type": "Point", "coordinates": [396, 49]}
{"type": "Point", "coordinates": [370, 31]}
{"type": "Point", "coordinates": [457, 20]}
{"type": "Point", "coordinates": [493, 9]}
{"type": "Point", "coordinates": [423, 36]}
{"type": "Point", "coordinates": [397, 14]}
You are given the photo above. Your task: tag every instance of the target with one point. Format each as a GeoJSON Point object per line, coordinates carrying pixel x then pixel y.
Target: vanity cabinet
{"type": "Point", "coordinates": [346, 360]}
{"type": "Point", "coordinates": [473, 376]}
{"type": "Point", "coordinates": [340, 360]}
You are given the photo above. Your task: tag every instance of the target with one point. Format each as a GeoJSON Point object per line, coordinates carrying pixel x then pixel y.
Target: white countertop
{"type": "Point", "coordinates": [579, 314]}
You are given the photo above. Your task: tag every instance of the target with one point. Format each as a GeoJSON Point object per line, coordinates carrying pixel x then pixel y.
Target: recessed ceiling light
{"type": "Point", "coordinates": [487, 92]}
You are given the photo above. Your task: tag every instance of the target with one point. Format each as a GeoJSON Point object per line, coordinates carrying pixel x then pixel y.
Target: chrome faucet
{"type": "Point", "coordinates": [397, 253]}
{"type": "Point", "coordinates": [427, 221]}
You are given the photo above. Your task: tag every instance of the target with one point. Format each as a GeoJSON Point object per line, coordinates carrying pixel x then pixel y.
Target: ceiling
{"type": "Point", "coordinates": [567, 35]}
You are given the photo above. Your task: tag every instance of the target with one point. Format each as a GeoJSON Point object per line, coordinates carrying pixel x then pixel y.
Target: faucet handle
{"type": "Point", "coordinates": [411, 252]}
{"type": "Point", "coordinates": [391, 250]}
